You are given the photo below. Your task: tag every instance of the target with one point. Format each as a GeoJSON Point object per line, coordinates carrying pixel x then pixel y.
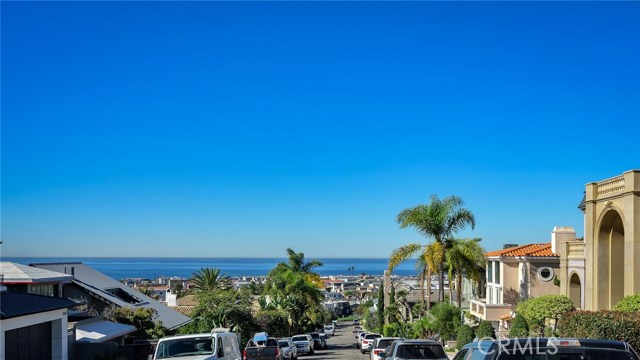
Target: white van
{"type": "Point", "coordinates": [329, 329]}
{"type": "Point", "coordinates": [213, 346]}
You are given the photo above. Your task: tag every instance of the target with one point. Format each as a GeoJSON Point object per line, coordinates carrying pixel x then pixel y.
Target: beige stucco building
{"type": "Point", "coordinates": [514, 274]}
{"type": "Point", "coordinates": [597, 272]}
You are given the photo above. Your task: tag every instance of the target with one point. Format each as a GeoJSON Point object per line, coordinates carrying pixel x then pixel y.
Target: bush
{"type": "Point", "coordinates": [613, 325]}
{"type": "Point", "coordinates": [465, 336]}
{"type": "Point", "coordinates": [485, 330]}
{"type": "Point", "coordinates": [447, 319]}
{"type": "Point", "coordinates": [519, 327]}
{"type": "Point", "coordinates": [548, 307]}
{"type": "Point", "coordinates": [391, 330]}
{"type": "Point", "coordinates": [628, 303]}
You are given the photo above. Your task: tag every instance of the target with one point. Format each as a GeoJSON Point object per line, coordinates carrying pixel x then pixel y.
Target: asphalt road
{"type": "Point", "coordinates": [342, 346]}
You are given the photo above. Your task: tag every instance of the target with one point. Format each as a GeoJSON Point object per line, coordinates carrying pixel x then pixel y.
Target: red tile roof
{"type": "Point", "coordinates": [535, 250]}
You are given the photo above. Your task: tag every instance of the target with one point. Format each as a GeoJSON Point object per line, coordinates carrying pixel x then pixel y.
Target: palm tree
{"type": "Point", "coordinates": [210, 279]}
{"type": "Point", "coordinates": [465, 256]}
{"type": "Point", "coordinates": [296, 263]}
{"type": "Point", "coordinates": [438, 220]}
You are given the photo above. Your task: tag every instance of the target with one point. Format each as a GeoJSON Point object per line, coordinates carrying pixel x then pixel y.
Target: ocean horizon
{"type": "Point", "coordinates": [154, 267]}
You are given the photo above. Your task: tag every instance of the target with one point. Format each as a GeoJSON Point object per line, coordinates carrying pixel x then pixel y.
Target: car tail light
{"type": "Point", "coordinates": [244, 355]}
{"type": "Point", "coordinates": [277, 351]}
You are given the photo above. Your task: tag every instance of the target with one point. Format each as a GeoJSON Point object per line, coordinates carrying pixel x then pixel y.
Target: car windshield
{"type": "Point", "coordinates": [315, 336]}
{"type": "Point", "coordinates": [185, 347]}
{"type": "Point", "coordinates": [372, 336]}
{"type": "Point", "coordinates": [420, 351]}
{"type": "Point", "coordinates": [299, 338]}
{"type": "Point", "coordinates": [283, 343]}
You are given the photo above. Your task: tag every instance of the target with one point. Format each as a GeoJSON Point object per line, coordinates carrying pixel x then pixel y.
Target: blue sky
{"type": "Point", "coordinates": [221, 129]}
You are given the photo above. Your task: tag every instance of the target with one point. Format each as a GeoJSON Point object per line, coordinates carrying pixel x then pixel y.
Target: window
{"type": "Point", "coordinates": [546, 273]}
{"type": "Point", "coordinates": [46, 290]}
{"type": "Point", "coordinates": [490, 272]}
{"type": "Point", "coordinates": [498, 296]}
{"type": "Point", "coordinates": [461, 354]}
{"type": "Point", "coordinates": [498, 265]}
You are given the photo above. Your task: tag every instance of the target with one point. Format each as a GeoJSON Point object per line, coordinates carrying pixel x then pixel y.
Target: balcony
{"type": "Point", "coordinates": [489, 312]}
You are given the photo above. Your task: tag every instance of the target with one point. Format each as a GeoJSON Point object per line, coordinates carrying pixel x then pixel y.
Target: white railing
{"type": "Point", "coordinates": [489, 312]}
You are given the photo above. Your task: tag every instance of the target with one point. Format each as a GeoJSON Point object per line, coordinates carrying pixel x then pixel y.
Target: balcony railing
{"type": "Point", "coordinates": [489, 312]}
{"type": "Point", "coordinates": [610, 187]}
{"type": "Point", "coordinates": [575, 250]}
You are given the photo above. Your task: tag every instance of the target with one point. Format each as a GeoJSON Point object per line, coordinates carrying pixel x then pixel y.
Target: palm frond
{"type": "Point", "coordinates": [403, 253]}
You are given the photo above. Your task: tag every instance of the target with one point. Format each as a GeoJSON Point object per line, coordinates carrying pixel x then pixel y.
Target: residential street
{"type": "Point", "coordinates": [341, 346]}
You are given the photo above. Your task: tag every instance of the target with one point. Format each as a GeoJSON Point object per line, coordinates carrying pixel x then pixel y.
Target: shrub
{"type": "Point", "coordinates": [485, 330]}
{"type": "Point", "coordinates": [548, 307]}
{"type": "Point", "coordinates": [465, 336]}
{"type": "Point", "coordinates": [519, 327]}
{"type": "Point", "coordinates": [447, 319]}
{"type": "Point", "coordinates": [628, 303]}
{"type": "Point", "coordinates": [391, 330]}
{"type": "Point", "coordinates": [613, 325]}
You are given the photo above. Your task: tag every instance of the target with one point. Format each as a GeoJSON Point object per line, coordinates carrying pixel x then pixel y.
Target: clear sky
{"type": "Point", "coordinates": [214, 129]}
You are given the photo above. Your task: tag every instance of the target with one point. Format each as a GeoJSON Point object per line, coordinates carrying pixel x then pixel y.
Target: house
{"type": "Point", "coordinates": [604, 267]}
{"type": "Point", "coordinates": [33, 326]}
{"type": "Point", "coordinates": [514, 274]}
{"type": "Point", "coordinates": [99, 292]}
{"type": "Point", "coordinates": [27, 279]}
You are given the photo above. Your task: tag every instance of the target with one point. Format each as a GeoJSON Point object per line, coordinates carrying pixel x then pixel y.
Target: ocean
{"type": "Point", "coordinates": [151, 268]}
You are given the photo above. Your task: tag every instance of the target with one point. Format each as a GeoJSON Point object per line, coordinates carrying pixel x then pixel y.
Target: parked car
{"type": "Point", "coordinates": [366, 344]}
{"type": "Point", "coordinates": [325, 341]}
{"type": "Point", "coordinates": [548, 349]}
{"type": "Point", "coordinates": [318, 344]}
{"type": "Point", "coordinates": [359, 338]}
{"type": "Point", "coordinates": [262, 347]}
{"type": "Point", "coordinates": [416, 349]}
{"type": "Point", "coordinates": [356, 322]}
{"type": "Point", "coordinates": [380, 344]}
{"type": "Point", "coordinates": [329, 329]}
{"type": "Point", "coordinates": [211, 346]}
{"type": "Point", "coordinates": [288, 348]}
{"type": "Point", "coordinates": [304, 343]}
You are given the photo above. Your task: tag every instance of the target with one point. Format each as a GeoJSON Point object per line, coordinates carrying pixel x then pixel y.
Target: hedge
{"type": "Point", "coordinates": [603, 324]}
{"type": "Point", "coordinates": [465, 336]}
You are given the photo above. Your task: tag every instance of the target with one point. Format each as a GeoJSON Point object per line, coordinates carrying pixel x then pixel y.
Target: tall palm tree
{"type": "Point", "coordinates": [210, 279]}
{"type": "Point", "coordinates": [464, 257]}
{"type": "Point", "coordinates": [439, 220]}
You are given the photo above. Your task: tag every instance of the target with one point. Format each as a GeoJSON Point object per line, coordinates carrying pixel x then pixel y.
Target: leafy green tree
{"type": "Point", "coordinates": [602, 324]}
{"type": "Point", "coordinates": [144, 319]}
{"type": "Point", "coordinates": [380, 310]}
{"type": "Point", "coordinates": [222, 309]}
{"type": "Point", "coordinates": [548, 307]}
{"type": "Point", "coordinates": [465, 335]}
{"type": "Point", "coordinates": [273, 321]}
{"type": "Point", "coordinates": [210, 279]}
{"type": "Point", "coordinates": [519, 327]}
{"type": "Point", "coordinates": [628, 303]}
{"type": "Point", "coordinates": [485, 330]}
{"type": "Point", "coordinates": [439, 220]}
{"type": "Point", "coordinates": [464, 257]}
{"type": "Point", "coordinates": [447, 319]}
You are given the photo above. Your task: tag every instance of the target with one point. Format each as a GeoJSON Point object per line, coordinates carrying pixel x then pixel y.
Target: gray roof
{"type": "Point", "coordinates": [101, 286]}
{"type": "Point", "coordinates": [20, 304]}
{"type": "Point", "coordinates": [22, 274]}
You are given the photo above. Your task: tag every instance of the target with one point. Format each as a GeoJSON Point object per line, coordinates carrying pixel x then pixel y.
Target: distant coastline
{"type": "Point", "coordinates": [151, 268]}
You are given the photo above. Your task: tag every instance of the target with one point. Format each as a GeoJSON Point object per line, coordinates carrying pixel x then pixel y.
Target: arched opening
{"type": "Point", "coordinates": [610, 266]}
{"type": "Point", "coordinates": [575, 290]}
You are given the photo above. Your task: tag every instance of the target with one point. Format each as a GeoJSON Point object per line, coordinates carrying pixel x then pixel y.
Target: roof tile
{"type": "Point", "coordinates": [534, 250]}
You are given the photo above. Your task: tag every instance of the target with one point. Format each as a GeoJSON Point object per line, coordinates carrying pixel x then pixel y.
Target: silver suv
{"type": "Point", "coordinates": [414, 349]}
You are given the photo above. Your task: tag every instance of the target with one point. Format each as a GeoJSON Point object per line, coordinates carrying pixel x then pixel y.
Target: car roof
{"type": "Point", "coordinates": [191, 336]}
{"type": "Point", "coordinates": [419, 341]}
{"type": "Point", "coordinates": [542, 342]}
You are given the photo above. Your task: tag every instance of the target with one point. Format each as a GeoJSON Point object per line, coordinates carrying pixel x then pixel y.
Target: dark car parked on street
{"type": "Point", "coordinates": [547, 349]}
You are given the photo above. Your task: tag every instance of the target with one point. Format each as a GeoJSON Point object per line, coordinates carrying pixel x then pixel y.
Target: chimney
{"type": "Point", "coordinates": [561, 235]}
